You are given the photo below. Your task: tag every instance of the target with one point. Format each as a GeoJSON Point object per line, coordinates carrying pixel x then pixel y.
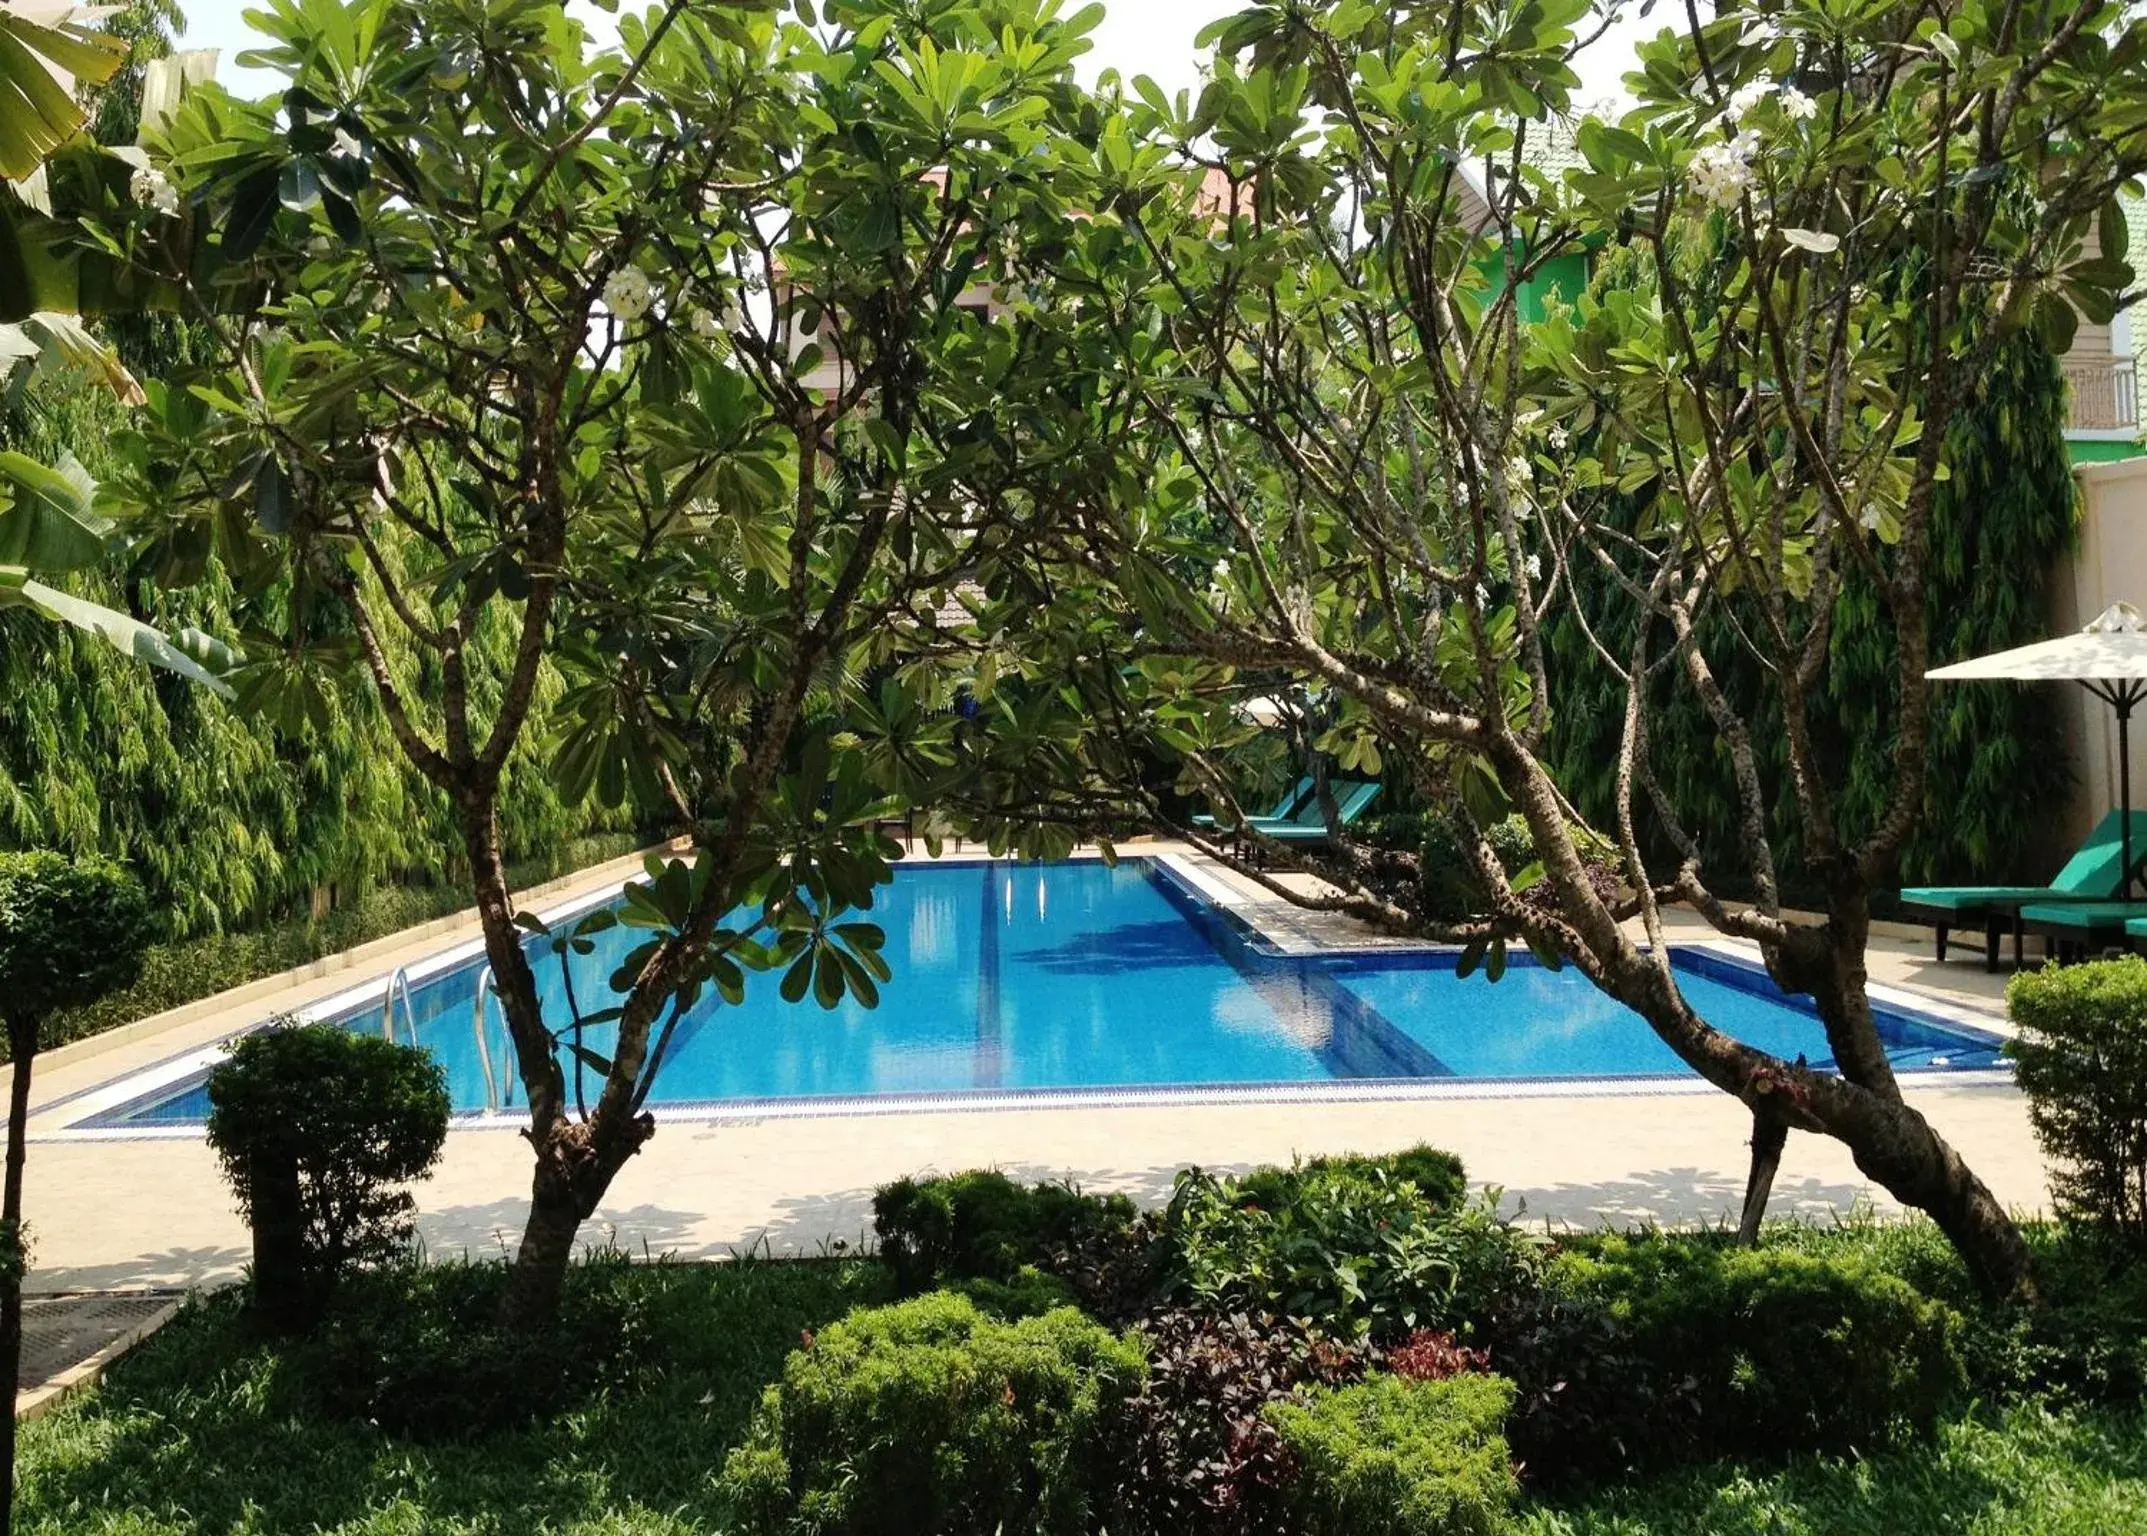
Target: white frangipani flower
{"type": "Point", "coordinates": [1534, 566]}
{"type": "Point", "coordinates": [1798, 107]}
{"type": "Point", "coordinates": [1721, 172]}
{"type": "Point", "coordinates": [1745, 100]}
{"type": "Point", "coordinates": [1559, 436]}
{"type": "Point", "coordinates": [153, 189]}
{"type": "Point", "coordinates": [705, 324]}
{"type": "Point", "coordinates": [628, 294]}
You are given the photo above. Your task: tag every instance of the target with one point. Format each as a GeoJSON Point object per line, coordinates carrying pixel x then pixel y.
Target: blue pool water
{"type": "Point", "coordinates": [1069, 976]}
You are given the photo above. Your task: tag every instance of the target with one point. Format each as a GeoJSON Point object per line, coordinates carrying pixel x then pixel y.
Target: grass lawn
{"type": "Point", "coordinates": [2027, 1472]}
{"type": "Point", "coordinates": [206, 1429]}
{"type": "Point", "coordinates": [621, 1426]}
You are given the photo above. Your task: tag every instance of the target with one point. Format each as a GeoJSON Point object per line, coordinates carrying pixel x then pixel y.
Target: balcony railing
{"type": "Point", "coordinates": [2105, 395]}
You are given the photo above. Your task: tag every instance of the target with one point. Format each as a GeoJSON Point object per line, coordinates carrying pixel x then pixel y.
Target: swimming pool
{"type": "Point", "coordinates": [1077, 976]}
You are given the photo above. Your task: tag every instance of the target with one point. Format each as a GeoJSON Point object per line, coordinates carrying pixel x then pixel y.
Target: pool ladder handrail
{"type": "Point", "coordinates": [494, 1099]}
{"type": "Point", "coordinates": [398, 982]}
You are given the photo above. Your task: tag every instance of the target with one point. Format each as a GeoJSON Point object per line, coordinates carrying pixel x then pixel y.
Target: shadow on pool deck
{"type": "Point", "coordinates": [167, 1267]}
{"type": "Point", "coordinates": [840, 1220]}
{"type": "Point", "coordinates": [491, 1230]}
{"type": "Point", "coordinates": [1671, 1196]}
{"type": "Point", "coordinates": [809, 1224]}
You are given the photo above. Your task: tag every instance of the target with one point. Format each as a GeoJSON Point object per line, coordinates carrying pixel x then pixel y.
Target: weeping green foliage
{"type": "Point", "coordinates": [1999, 527]}
{"type": "Point", "coordinates": [226, 821]}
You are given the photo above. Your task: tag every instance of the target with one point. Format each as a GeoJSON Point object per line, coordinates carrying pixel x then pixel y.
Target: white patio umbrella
{"type": "Point", "coordinates": [2108, 658]}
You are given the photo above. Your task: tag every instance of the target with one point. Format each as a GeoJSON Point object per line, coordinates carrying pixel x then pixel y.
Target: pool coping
{"type": "Point", "coordinates": [85, 1107]}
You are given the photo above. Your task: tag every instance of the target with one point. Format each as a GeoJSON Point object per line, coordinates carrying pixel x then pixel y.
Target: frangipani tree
{"type": "Point", "coordinates": [1350, 461]}
{"type": "Point", "coordinates": [670, 354]}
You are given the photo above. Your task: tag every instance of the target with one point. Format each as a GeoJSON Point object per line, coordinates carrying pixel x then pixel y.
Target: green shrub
{"type": "Point", "coordinates": [1437, 1174]}
{"type": "Point", "coordinates": [317, 1127]}
{"type": "Point", "coordinates": [1029, 1292]}
{"type": "Point", "coordinates": [2081, 1058]}
{"type": "Point", "coordinates": [982, 1225]}
{"type": "Point", "coordinates": [70, 931]}
{"type": "Point", "coordinates": [1348, 1244]}
{"type": "Point", "coordinates": [930, 1416]}
{"type": "Point", "coordinates": [1401, 1458]}
{"type": "Point", "coordinates": [1648, 1350]}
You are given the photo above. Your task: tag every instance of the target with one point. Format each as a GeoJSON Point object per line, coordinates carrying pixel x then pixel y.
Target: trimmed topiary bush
{"type": "Point", "coordinates": [1653, 1350]}
{"type": "Point", "coordinates": [930, 1416]}
{"type": "Point", "coordinates": [2081, 1058]}
{"type": "Point", "coordinates": [71, 930]}
{"type": "Point", "coordinates": [982, 1225]}
{"type": "Point", "coordinates": [1401, 1458]}
{"type": "Point", "coordinates": [317, 1129]}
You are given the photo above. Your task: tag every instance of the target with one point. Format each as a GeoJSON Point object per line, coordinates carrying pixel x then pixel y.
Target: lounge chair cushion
{"type": "Point", "coordinates": [1963, 898]}
{"type": "Point", "coordinates": [2091, 874]}
{"type": "Point", "coordinates": [2086, 916]}
{"type": "Point", "coordinates": [1310, 825]}
{"type": "Point", "coordinates": [1289, 801]}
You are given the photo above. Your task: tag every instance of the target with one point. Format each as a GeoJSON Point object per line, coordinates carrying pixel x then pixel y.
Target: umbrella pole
{"type": "Point", "coordinates": [2124, 700]}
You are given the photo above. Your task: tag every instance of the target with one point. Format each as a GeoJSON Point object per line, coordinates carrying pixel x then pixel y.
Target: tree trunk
{"type": "Point", "coordinates": [575, 1165]}
{"type": "Point", "coordinates": [1896, 1146]}
{"type": "Point", "coordinates": [14, 1253]}
{"type": "Point", "coordinates": [1889, 1140]}
{"type": "Point", "coordinates": [288, 1295]}
{"type": "Point", "coordinates": [531, 1299]}
{"type": "Point", "coordinates": [1770, 1134]}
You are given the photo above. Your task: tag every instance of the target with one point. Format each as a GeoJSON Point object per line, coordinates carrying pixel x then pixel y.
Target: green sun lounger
{"type": "Point", "coordinates": [1287, 806]}
{"type": "Point", "coordinates": [2083, 925]}
{"type": "Point", "coordinates": [2090, 875]}
{"type": "Point", "coordinates": [1309, 825]}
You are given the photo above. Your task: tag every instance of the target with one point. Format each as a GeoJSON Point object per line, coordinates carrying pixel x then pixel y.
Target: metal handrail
{"type": "Point", "coordinates": [484, 1049]}
{"type": "Point", "coordinates": [400, 979]}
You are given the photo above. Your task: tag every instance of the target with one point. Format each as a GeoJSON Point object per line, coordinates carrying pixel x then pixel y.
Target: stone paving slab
{"type": "Point", "coordinates": [67, 1340]}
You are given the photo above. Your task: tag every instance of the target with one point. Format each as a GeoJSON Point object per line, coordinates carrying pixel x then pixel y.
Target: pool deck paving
{"type": "Point", "coordinates": [154, 1211]}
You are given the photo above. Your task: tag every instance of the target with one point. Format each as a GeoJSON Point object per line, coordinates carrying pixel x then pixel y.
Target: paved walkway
{"type": "Point", "coordinates": [155, 1212]}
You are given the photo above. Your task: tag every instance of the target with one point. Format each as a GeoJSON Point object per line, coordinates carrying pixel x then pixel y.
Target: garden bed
{"type": "Point", "coordinates": [691, 1398]}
